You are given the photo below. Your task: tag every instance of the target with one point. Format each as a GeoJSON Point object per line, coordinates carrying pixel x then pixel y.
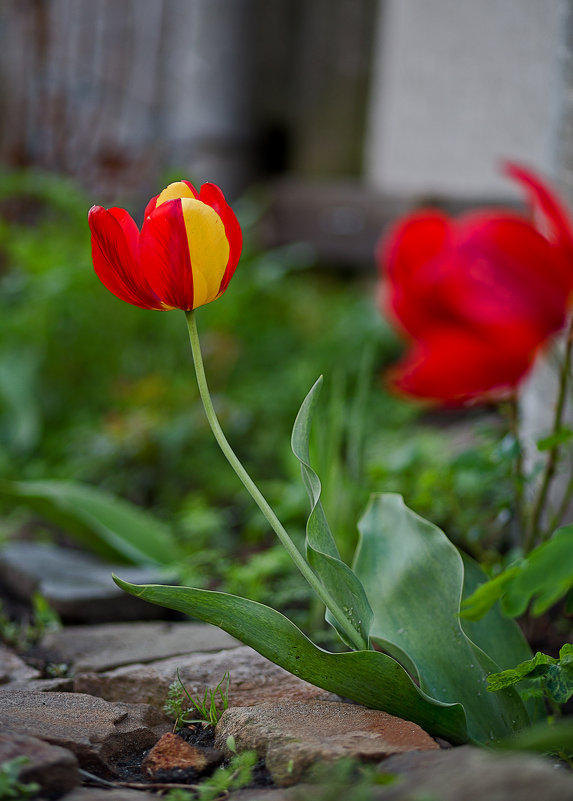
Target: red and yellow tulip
{"type": "Point", "coordinates": [183, 257]}
{"type": "Point", "coordinates": [478, 296]}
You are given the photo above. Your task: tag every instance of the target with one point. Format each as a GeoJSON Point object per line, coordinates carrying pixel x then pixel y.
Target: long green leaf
{"type": "Point", "coordinates": [413, 577]}
{"type": "Point", "coordinates": [368, 677]}
{"type": "Point", "coordinates": [321, 550]}
{"type": "Point", "coordinates": [112, 528]}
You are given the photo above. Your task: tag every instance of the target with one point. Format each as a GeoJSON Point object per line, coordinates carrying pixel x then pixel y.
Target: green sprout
{"type": "Point", "coordinates": [203, 710]}
{"type": "Point", "coordinates": [10, 785]}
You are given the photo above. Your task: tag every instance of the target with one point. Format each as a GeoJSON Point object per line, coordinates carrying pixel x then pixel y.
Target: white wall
{"type": "Point", "coordinates": [458, 86]}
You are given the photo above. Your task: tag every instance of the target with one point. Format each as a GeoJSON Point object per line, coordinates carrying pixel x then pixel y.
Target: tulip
{"type": "Point", "coordinates": [477, 297]}
{"type": "Point", "coordinates": [184, 256]}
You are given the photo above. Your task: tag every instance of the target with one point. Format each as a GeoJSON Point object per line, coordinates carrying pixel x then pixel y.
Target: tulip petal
{"type": "Point", "coordinates": [504, 273]}
{"type": "Point", "coordinates": [165, 258]}
{"type": "Point", "coordinates": [554, 222]}
{"type": "Point", "coordinates": [115, 256]}
{"type": "Point", "coordinates": [184, 252]}
{"type": "Point", "coordinates": [455, 367]}
{"type": "Point", "coordinates": [409, 258]}
{"type": "Point", "coordinates": [213, 197]}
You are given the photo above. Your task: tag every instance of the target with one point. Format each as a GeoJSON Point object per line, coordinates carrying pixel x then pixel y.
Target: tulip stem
{"type": "Point", "coordinates": [551, 464]}
{"type": "Point", "coordinates": [323, 593]}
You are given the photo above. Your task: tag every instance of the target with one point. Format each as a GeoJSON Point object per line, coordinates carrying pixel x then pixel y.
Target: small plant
{"type": "Point", "coordinates": [24, 634]}
{"type": "Point", "coordinates": [237, 774]}
{"type": "Point", "coordinates": [10, 785]}
{"type": "Point", "coordinates": [205, 708]}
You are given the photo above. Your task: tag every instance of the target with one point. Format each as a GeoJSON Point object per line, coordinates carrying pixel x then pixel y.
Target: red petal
{"type": "Point", "coordinates": [409, 257]}
{"type": "Point", "coordinates": [555, 221]}
{"type": "Point", "coordinates": [115, 246]}
{"type": "Point", "coordinates": [164, 254]}
{"type": "Point", "coordinates": [454, 367]}
{"type": "Point", "coordinates": [212, 196]}
{"type": "Point", "coordinates": [502, 272]}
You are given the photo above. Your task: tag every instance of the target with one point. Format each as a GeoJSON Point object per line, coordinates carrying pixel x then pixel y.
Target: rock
{"type": "Point", "coordinates": [78, 586]}
{"type": "Point", "coordinates": [99, 733]}
{"type": "Point", "coordinates": [100, 794]}
{"type": "Point", "coordinates": [294, 737]}
{"type": "Point", "coordinates": [253, 679]}
{"type": "Point", "coordinates": [12, 668]}
{"type": "Point", "coordinates": [181, 761]}
{"type": "Point", "coordinates": [107, 646]}
{"type": "Point", "coordinates": [457, 774]}
{"type": "Point", "coordinates": [55, 769]}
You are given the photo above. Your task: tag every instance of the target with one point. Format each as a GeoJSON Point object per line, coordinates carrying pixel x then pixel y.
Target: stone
{"type": "Point", "coordinates": [99, 733]}
{"type": "Point", "coordinates": [181, 760]}
{"type": "Point", "coordinates": [252, 680]}
{"type": "Point", "coordinates": [294, 737]}
{"type": "Point", "coordinates": [107, 646]}
{"type": "Point", "coordinates": [457, 774]}
{"type": "Point", "coordinates": [78, 586]}
{"type": "Point", "coordinates": [12, 668]}
{"type": "Point", "coordinates": [101, 794]}
{"type": "Point", "coordinates": [55, 769]}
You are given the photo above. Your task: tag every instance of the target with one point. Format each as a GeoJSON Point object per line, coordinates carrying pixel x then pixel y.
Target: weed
{"type": "Point", "coordinates": [206, 708]}
{"type": "Point", "coordinates": [24, 634]}
{"type": "Point", "coordinates": [10, 785]}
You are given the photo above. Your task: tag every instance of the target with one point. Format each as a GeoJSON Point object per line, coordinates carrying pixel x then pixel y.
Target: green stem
{"type": "Point", "coordinates": [551, 464]}
{"type": "Point", "coordinates": [322, 592]}
{"type": "Point", "coordinates": [513, 413]}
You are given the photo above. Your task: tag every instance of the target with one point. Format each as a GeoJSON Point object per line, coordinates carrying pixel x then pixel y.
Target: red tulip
{"type": "Point", "coordinates": [477, 297]}
{"type": "Point", "coordinates": [184, 256]}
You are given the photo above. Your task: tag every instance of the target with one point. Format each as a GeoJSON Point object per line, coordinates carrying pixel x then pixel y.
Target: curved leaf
{"type": "Point", "coordinates": [413, 577]}
{"type": "Point", "coordinates": [321, 550]}
{"type": "Point", "coordinates": [112, 528]}
{"type": "Point", "coordinates": [368, 677]}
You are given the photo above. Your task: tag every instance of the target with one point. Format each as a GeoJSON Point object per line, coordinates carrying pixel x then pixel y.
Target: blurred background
{"type": "Point", "coordinates": [322, 121]}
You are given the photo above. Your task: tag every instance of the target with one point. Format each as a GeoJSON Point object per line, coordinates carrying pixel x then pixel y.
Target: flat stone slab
{"type": "Point", "coordinates": [106, 646]}
{"type": "Point", "coordinates": [294, 737]}
{"type": "Point", "coordinates": [78, 586]}
{"type": "Point", "coordinates": [99, 733]}
{"type": "Point", "coordinates": [55, 769]}
{"type": "Point", "coordinates": [12, 668]}
{"type": "Point", "coordinates": [100, 794]}
{"type": "Point", "coordinates": [252, 680]}
{"type": "Point", "coordinates": [459, 774]}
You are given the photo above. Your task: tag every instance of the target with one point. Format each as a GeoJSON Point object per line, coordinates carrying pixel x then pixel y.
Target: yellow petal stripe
{"type": "Point", "coordinates": [174, 191]}
{"type": "Point", "coordinates": [208, 249]}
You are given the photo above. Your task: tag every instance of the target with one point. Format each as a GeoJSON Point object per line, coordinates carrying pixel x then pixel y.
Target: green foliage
{"type": "Point", "coordinates": [238, 773]}
{"type": "Point", "coordinates": [346, 778]}
{"type": "Point", "coordinates": [555, 676]}
{"type": "Point", "coordinates": [540, 579]}
{"type": "Point", "coordinates": [22, 634]}
{"type": "Point", "coordinates": [402, 597]}
{"type": "Point", "coordinates": [10, 785]}
{"type": "Point", "coordinates": [321, 550]}
{"type": "Point", "coordinates": [111, 527]}
{"type": "Point", "coordinates": [413, 577]}
{"type": "Point", "coordinates": [209, 708]}
{"type": "Point", "coordinates": [368, 677]}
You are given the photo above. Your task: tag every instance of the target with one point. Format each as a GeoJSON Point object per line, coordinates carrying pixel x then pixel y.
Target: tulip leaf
{"type": "Point", "coordinates": [112, 528]}
{"type": "Point", "coordinates": [543, 577]}
{"type": "Point", "coordinates": [321, 549]}
{"type": "Point", "coordinates": [413, 576]}
{"type": "Point", "coordinates": [368, 677]}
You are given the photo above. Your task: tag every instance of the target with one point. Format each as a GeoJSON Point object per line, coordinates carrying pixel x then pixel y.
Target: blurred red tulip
{"type": "Point", "coordinates": [184, 256]}
{"type": "Point", "coordinates": [477, 297]}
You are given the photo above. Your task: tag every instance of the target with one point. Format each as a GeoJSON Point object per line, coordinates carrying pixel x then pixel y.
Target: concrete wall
{"type": "Point", "coordinates": [459, 85]}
